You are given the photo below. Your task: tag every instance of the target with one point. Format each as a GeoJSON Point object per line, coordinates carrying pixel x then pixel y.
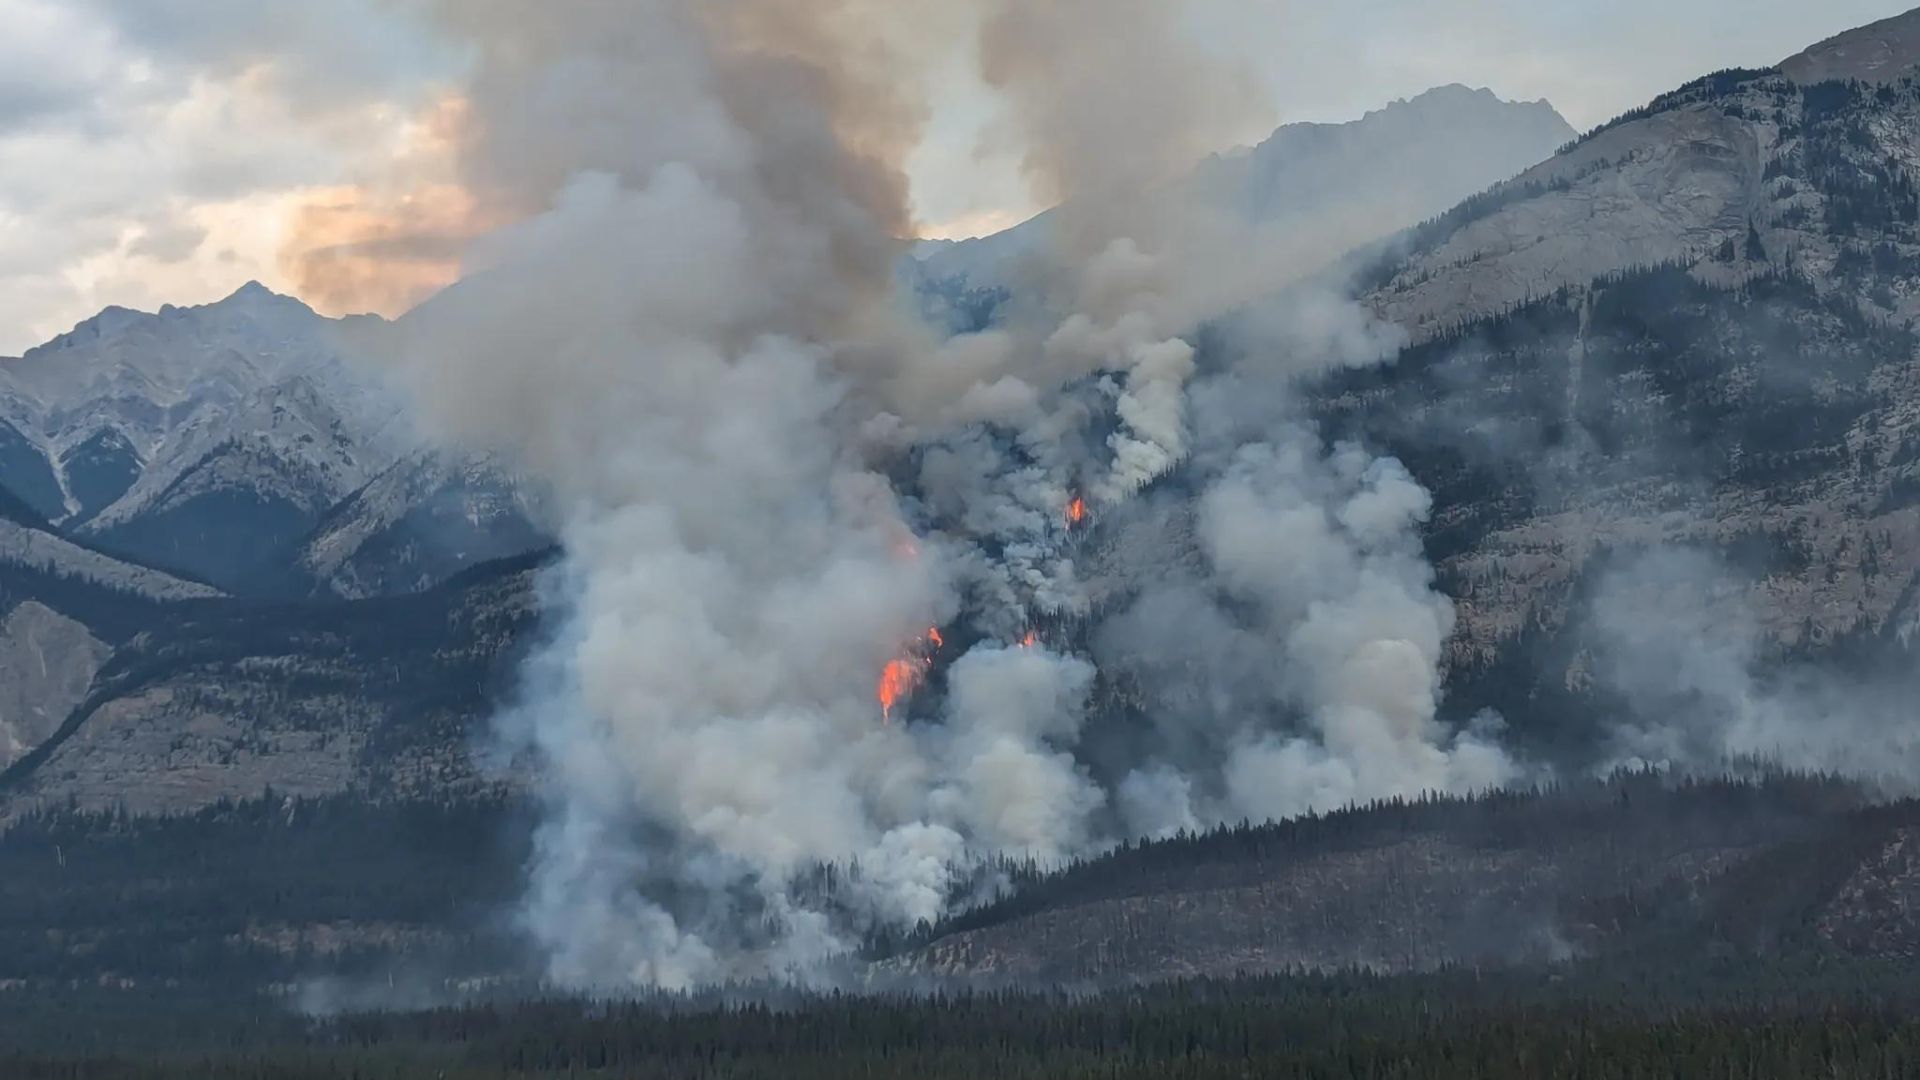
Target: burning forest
{"type": "Point", "coordinates": [788, 502]}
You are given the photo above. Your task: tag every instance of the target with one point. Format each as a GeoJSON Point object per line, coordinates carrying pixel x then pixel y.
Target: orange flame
{"type": "Point", "coordinates": [1030, 640]}
{"type": "Point", "coordinates": [897, 680]}
{"type": "Point", "coordinates": [1076, 511]}
{"type": "Point", "coordinates": [904, 674]}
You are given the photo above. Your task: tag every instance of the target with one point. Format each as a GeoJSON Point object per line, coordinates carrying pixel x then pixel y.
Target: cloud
{"type": "Point", "coordinates": [317, 57]}
{"type": "Point", "coordinates": [52, 61]}
{"type": "Point", "coordinates": [149, 153]}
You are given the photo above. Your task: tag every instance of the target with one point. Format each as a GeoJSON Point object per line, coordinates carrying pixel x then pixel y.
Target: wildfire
{"type": "Point", "coordinates": [1076, 511]}
{"type": "Point", "coordinates": [904, 674]}
{"type": "Point", "coordinates": [1030, 640]}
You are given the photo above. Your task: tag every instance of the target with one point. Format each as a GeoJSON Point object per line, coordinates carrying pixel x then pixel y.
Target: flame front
{"type": "Point", "coordinates": [897, 680]}
{"type": "Point", "coordinates": [1076, 511]}
{"type": "Point", "coordinates": [904, 674]}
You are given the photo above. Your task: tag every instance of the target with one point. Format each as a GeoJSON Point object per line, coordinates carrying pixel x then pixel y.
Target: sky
{"type": "Point", "coordinates": [167, 151]}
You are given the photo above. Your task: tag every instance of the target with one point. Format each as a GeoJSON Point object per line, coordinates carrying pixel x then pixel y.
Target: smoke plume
{"type": "Point", "coordinates": [1676, 640]}
{"type": "Point", "coordinates": [777, 489]}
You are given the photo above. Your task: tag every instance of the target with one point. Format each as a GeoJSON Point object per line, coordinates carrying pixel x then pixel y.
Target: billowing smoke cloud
{"type": "Point", "coordinates": [691, 346]}
{"type": "Point", "coordinates": [774, 485]}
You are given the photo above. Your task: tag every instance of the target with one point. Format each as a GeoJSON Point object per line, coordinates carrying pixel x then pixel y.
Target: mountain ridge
{"type": "Point", "coordinates": [1877, 52]}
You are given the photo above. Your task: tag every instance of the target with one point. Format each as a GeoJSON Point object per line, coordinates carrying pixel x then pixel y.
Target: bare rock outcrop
{"type": "Point", "coordinates": [47, 665]}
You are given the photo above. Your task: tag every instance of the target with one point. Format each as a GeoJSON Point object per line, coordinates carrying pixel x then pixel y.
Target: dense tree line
{"type": "Point", "coordinates": [1726, 1021]}
{"type": "Point", "coordinates": [264, 890]}
{"type": "Point", "coordinates": [1613, 821]}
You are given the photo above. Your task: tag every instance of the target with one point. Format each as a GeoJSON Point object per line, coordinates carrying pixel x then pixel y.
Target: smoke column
{"type": "Point", "coordinates": [776, 488]}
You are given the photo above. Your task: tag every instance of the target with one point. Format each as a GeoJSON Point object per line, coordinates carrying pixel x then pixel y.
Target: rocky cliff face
{"type": "Point", "coordinates": [1883, 51]}
{"type": "Point", "coordinates": [47, 664]}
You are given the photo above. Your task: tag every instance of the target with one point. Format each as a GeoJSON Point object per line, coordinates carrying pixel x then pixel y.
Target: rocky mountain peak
{"type": "Point", "coordinates": [255, 298]}
{"type": "Point", "coordinates": [1453, 97]}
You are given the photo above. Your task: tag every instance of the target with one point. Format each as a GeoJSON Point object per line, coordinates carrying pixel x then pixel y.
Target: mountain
{"type": "Point", "coordinates": [1879, 52]}
{"type": "Point", "coordinates": [1446, 144]}
{"type": "Point", "coordinates": [1682, 329]}
{"type": "Point", "coordinates": [1317, 190]}
{"type": "Point", "coordinates": [159, 470]}
{"type": "Point", "coordinates": [195, 438]}
{"type": "Point", "coordinates": [234, 442]}
{"type": "Point", "coordinates": [420, 521]}
{"type": "Point", "coordinates": [1734, 171]}
{"type": "Point", "coordinates": [1667, 376]}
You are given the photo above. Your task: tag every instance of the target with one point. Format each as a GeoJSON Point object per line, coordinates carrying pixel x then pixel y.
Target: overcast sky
{"type": "Point", "coordinates": [166, 151]}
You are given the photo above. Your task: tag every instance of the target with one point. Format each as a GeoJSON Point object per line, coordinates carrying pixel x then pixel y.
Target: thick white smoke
{"type": "Point", "coordinates": [1701, 688]}
{"type": "Point", "coordinates": [771, 483]}
{"type": "Point", "coordinates": [1359, 627]}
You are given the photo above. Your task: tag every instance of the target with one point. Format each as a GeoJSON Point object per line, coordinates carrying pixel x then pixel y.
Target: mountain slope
{"type": "Point", "coordinates": [229, 699]}
{"type": "Point", "coordinates": [422, 520]}
{"type": "Point", "coordinates": [1732, 173]}
{"type": "Point", "coordinates": [63, 607]}
{"type": "Point", "coordinates": [1636, 865]}
{"type": "Point", "coordinates": [1883, 51]}
{"type": "Point", "coordinates": [177, 436]}
{"type": "Point", "coordinates": [1663, 392]}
